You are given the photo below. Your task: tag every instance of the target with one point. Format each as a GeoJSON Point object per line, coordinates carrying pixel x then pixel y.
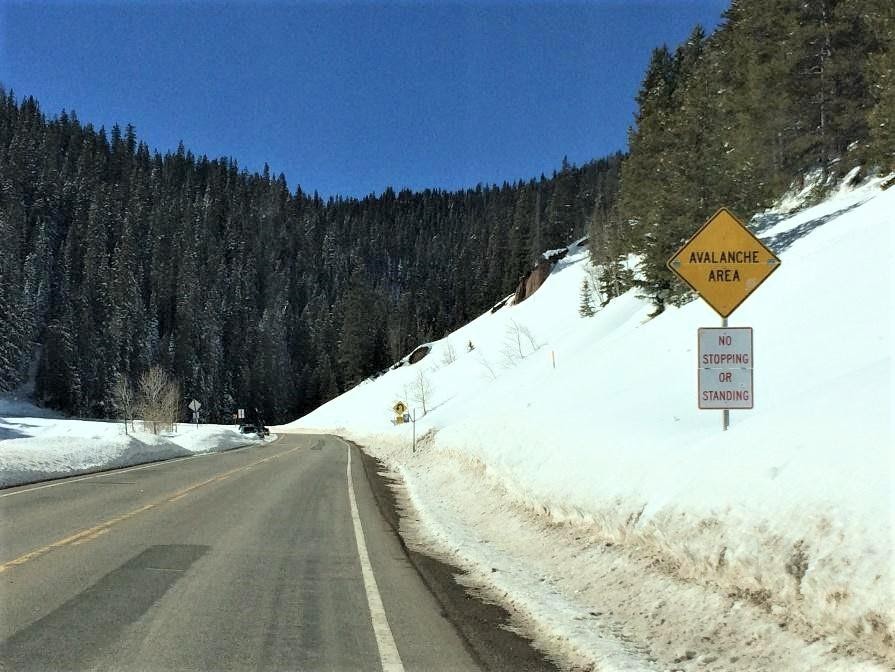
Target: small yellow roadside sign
{"type": "Point", "coordinates": [723, 262]}
{"type": "Point", "coordinates": [399, 408]}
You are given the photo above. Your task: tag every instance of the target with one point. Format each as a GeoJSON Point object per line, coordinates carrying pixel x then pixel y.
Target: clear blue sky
{"type": "Point", "coordinates": [350, 97]}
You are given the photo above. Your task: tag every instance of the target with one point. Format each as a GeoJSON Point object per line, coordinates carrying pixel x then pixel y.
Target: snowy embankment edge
{"type": "Point", "coordinates": [134, 456]}
{"type": "Point", "coordinates": [770, 570]}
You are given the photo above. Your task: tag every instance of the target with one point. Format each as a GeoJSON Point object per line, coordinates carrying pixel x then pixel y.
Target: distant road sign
{"type": "Point", "coordinates": [194, 405]}
{"type": "Point", "coordinates": [399, 408]}
{"type": "Point", "coordinates": [723, 262]}
{"type": "Point", "coordinates": [241, 413]}
{"type": "Point", "coordinates": [725, 368]}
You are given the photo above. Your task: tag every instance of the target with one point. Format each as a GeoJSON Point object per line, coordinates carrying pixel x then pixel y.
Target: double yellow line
{"type": "Point", "coordinates": [98, 530]}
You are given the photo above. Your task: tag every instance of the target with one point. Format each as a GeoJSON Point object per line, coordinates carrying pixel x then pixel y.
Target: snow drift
{"type": "Point", "coordinates": [36, 445]}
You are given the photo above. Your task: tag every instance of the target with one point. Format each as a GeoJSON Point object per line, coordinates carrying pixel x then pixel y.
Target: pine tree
{"type": "Point", "coordinates": [586, 305]}
{"type": "Point", "coordinates": [362, 347]}
{"type": "Point", "coordinates": [16, 325]}
{"type": "Point", "coordinates": [880, 77]}
{"type": "Point", "coordinates": [563, 221]}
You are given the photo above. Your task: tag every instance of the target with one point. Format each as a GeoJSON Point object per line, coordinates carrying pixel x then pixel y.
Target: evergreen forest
{"type": "Point", "coordinates": [115, 258]}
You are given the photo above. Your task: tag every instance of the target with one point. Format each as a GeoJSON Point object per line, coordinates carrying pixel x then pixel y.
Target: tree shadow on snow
{"type": "Point", "coordinates": [8, 430]}
{"type": "Point", "coordinates": [784, 240]}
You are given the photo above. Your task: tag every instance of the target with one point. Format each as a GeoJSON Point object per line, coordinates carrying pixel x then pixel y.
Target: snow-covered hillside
{"type": "Point", "coordinates": [617, 521]}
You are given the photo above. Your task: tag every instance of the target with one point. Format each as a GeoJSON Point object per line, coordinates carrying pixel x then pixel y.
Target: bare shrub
{"type": "Point", "coordinates": [528, 337]}
{"type": "Point", "coordinates": [450, 355]}
{"type": "Point", "coordinates": [123, 396]}
{"type": "Point", "coordinates": [422, 390]}
{"type": "Point", "coordinates": [158, 400]}
{"type": "Point", "coordinates": [488, 366]}
{"type": "Point", "coordinates": [518, 343]}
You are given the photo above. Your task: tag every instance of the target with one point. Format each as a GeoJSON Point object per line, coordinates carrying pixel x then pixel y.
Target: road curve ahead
{"type": "Point", "coordinates": [272, 557]}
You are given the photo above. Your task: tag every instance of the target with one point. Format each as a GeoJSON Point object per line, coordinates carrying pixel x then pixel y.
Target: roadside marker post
{"type": "Point", "coordinates": [194, 406]}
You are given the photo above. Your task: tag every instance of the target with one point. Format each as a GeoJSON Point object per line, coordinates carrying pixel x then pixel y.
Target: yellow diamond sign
{"type": "Point", "coordinates": [724, 262]}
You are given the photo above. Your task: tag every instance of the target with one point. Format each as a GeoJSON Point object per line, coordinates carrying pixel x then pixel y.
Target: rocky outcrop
{"type": "Point", "coordinates": [419, 353]}
{"type": "Point", "coordinates": [413, 357]}
{"type": "Point", "coordinates": [500, 304]}
{"type": "Point", "coordinates": [530, 283]}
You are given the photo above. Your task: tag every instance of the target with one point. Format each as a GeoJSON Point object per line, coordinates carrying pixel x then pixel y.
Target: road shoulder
{"type": "Point", "coordinates": [482, 626]}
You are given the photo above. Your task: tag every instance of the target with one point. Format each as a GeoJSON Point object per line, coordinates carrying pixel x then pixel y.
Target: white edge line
{"type": "Point", "coordinates": [388, 651]}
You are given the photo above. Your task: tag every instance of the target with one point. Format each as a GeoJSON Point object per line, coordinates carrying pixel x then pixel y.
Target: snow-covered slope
{"type": "Point", "coordinates": [783, 525]}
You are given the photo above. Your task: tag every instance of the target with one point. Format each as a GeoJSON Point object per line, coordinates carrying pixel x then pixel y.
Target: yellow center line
{"type": "Point", "coordinates": [97, 530]}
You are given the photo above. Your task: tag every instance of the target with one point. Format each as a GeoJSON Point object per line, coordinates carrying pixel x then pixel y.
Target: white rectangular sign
{"type": "Point", "coordinates": [725, 368]}
{"type": "Point", "coordinates": [725, 388]}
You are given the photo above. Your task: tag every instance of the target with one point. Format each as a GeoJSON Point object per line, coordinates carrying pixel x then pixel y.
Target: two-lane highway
{"type": "Point", "coordinates": [266, 558]}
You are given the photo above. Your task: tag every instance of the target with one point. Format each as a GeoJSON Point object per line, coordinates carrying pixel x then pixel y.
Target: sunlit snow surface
{"type": "Point", "coordinates": [37, 445]}
{"type": "Point", "coordinates": [618, 521]}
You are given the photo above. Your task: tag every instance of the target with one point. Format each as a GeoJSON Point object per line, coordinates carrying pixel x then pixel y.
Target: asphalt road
{"type": "Point", "coordinates": [252, 559]}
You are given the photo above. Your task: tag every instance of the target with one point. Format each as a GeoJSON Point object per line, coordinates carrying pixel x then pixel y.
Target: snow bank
{"type": "Point", "coordinates": [790, 511]}
{"type": "Point", "coordinates": [37, 445]}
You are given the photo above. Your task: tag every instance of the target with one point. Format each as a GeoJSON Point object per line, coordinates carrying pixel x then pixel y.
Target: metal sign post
{"type": "Point", "coordinates": [414, 430]}
{"type": "Point", "coordinates": [194, 406]}
{"type": "Point", "coordinates": [725, 419]}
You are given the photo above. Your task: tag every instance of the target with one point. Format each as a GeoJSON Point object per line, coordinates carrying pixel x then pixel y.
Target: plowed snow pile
{"type": "Point", "coordinates": [618, 522]}
{"type": "Point", "coordinates": [36, 444]}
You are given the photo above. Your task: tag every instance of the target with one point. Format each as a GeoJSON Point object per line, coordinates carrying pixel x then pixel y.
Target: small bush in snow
{"type": "Point", "coordinates": [489, 368]}
{"type": "Point", "coordinates": [422, 390]}
{"type": "Point", "coordinates": [450, 355]}
{"type": "Point", "coordinates": [518, 343]}
{"type": "Point", "coordinates": [158, 400]}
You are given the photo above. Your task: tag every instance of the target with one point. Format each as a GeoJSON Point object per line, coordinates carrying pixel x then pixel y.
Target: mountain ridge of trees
{"type": "Point", "coordinates": [114, 259]}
